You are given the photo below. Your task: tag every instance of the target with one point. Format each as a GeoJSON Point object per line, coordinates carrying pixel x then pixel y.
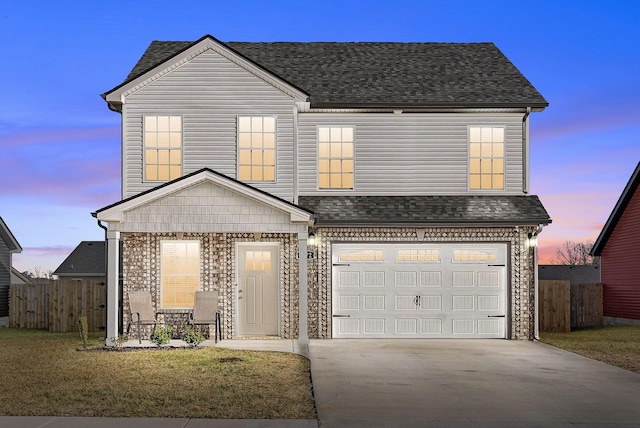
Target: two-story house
{"type": "Point", "coordinates": [8, 246]}
{"type": "Point", "coordinates": [329, 190]}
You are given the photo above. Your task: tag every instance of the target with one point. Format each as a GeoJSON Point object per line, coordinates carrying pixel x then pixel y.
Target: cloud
{"type": "Point", "coordinates": [69, 166]}
{"type": "Point", "coordinates": [66, 135]}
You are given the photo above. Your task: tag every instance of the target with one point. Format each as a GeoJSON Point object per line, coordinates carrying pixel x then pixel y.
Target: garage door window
{"type": "Point", "coordinates": [474, 256]}
{"type": "Point", "coordinates": [361, 256]}
{"type": "Point", "coordinates": [418, 255]}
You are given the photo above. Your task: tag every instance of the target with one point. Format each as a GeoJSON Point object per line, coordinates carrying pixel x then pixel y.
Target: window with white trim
{"type": "Point", "coordinates": [162, 148]}
{"type": "Point", "coordinates": [256, 148]}
{"type": "Point", "coordinates": [486, 158]}
{"type": "Point", "coordinates": [179, 273]}
{"type": "Point", "coordinates": [335, 157]}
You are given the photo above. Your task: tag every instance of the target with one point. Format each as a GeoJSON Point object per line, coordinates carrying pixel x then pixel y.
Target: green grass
{"type": "Point", "coordinates": [48, 374]}
{"type": "Point", "coordinates": [615, 345]}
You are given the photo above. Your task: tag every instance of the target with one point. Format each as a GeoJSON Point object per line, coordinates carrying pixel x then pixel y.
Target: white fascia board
{"type": "Point", "coordinates": [116, 213]}
{"type": "Point", "coordinates": [119, 94]}
{"type": "Point", "coordinates": [10, 240]}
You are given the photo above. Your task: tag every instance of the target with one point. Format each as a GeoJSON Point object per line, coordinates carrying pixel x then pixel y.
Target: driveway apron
{"type": "Point", "coordinates": [460, 383]}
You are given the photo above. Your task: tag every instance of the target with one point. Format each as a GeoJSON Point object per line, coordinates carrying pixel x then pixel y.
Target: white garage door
{"type": "Point", "coordinates": [419, 290]}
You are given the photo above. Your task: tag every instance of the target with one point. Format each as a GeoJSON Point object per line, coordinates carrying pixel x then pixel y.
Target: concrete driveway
{"type": "Point", "coordinates": [467, 383]}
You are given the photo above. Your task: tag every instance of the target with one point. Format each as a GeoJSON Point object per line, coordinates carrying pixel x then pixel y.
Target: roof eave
{"type": "Point", "coordinates": [618, 210]}
{"type": "Point", "coordinates": [463, 223]}
{"type": "Point", "coordinates": [535, 106]}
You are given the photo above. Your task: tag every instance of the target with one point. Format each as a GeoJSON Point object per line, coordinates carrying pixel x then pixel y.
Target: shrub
{"type": "Point", "coordinates": [84, 331]}
{"type": "Point", "coordinates": [192, 337]}
{"type": "Point", "coordinates": [161, 334]}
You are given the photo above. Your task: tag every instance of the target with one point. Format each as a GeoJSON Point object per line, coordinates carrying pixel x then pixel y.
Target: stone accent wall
{"type": "Point", "coordinates": [141, 271]}
{"type": "Point", "coordinates": [521, 293]}
{"type": "Point", "coordinates": [141, 264]}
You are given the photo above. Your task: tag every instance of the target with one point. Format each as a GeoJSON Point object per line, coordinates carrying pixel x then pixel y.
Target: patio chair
{"type": "Point", "coordinates": [205, 311]}
{"type": "Point", "coordinates": [141, 311]}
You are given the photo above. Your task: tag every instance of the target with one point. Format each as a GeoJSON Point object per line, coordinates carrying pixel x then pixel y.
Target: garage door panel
{"type": "Point", "coordinates": [375, 326]}
{"type": "Point", "coordinates": [418, 290]}
{"type": "Point", "coordinates": [349, 279]}
{"type": "Point", "coordinates": [373, 303]}
{"type": "Point", "coordinates": [406, 279]}
{"type": "Point", "coordinates": [373, 279]}
{"type": "Point", "coordinates": [431, 279]}
{"type": "Point", "coordinates": [431, 303]}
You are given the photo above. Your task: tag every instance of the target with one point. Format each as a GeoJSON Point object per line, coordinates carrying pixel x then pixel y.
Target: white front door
{"type": "Point", "coordinates": [438, 290]}
{"type": "Point", "coordinates": [257, 291]}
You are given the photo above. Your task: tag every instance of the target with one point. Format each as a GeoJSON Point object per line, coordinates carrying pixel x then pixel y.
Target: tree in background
{"type": "Point", "coordinates": [37, 275]}
{"type": "Point", "coordinates": [575, 253]}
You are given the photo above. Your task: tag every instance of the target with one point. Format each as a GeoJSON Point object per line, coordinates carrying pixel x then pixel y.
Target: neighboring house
{"type": "Point", "coordinates": [8, 246]}
{"type": "Point", "coordinates": [86, 262]}
{"type": "Point", "coordinates": [401, 171]}
{"type": "Point", "coordinates": [617, 247]}
{"type": "Point", "coordinates": [18, 278]}
{"type": "Point", "coordinates": [576, 274]}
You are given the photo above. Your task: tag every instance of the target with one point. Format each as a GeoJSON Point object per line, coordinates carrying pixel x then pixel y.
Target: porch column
{"type": "Point", "coordinates": [113, 279]}
{"type": "Point", "coordinates": [303, 304]}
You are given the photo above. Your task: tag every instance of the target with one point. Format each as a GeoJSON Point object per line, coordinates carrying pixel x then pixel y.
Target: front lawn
{"type": "Point", "coordinates": [45, 374]}
{"type": "Point", "coordinates": [616, 345]}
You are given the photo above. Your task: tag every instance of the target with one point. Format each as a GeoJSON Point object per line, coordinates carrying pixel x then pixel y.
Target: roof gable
{"type": "Point", "coordinates": [627, 194]}
{"type": "Point", "coordinates": [116, 212]}
{"type": "Point", "coordinates": [161, 58]}
{"type": "Point", "coordinates": [357, 75]}
{"type": "Point", "coordinates": [8, 238]}
{"type": "Point", "coordinates": [87, 259]}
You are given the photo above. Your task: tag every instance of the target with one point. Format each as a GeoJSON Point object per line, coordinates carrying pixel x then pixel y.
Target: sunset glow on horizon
{"type": "Point", "coordinates": [60, 144]}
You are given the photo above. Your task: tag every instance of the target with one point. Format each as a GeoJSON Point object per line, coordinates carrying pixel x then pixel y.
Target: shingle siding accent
{"type": "Point", "coordinates": [206, 207]}
{"type": "Point", "coordinates": [141, 256]}
{"type": "Point", "coordinates": [521, 292]}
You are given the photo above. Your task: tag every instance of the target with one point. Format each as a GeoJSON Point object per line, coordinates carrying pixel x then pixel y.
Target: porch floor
{"type": "Point", "coordinates": [278, 345]}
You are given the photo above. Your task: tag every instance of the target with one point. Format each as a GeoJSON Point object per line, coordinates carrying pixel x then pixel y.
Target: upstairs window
{"type": "Point", "coordinates": [162, 148]}
{"type": "Point", "coordinates": [335, 157]}
{"type": "Point", "coordinates": [179, 274]}
{"type": "Point", "coordinates": [256, 148]}
{"type": "Point", "coordinates": [486, 158]}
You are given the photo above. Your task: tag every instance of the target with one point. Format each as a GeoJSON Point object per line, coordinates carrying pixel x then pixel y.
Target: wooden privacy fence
{"type": "Point", "coordinates": [564, 306]}
{"type": "Point", "coordinates": [58, 305]}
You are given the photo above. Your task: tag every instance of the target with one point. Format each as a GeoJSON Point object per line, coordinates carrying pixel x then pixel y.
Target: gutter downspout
{"type": "Point", "coordinates": [525, 151]}
{"type": "Point", "coordinates": [536, 309]}
{"type": "Point", "coordinates": [106, 273]}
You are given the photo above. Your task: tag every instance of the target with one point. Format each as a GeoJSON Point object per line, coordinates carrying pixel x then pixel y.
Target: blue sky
{"type": "Point", "coordinates": [60, 144]}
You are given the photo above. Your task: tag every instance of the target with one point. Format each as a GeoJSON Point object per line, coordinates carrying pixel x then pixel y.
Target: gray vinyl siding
{"type": "Point", "coordinates": [209, 92]}
{"type": "Point", "coordinates": [5, 278]}
{"type": "Point", "coordinates": [409, 154]}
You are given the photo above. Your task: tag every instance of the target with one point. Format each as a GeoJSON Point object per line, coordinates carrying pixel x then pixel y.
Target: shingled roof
{"type": "Point", "coordinates": [87, 259]}
{"type": "Point", "coordinates": [425, 210]}
{"type": "Point", "coordinates": [376, 74]}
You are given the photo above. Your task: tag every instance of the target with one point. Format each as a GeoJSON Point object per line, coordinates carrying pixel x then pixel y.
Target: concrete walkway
{"type": "Point", "coordinates": [433, 383]}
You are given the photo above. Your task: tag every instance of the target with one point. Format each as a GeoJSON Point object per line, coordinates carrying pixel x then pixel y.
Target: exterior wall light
{"type": "Point", "coordinates": [311, 240]}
